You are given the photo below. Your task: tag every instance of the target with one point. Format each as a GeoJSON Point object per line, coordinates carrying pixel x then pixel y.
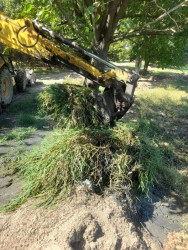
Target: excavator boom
{"type": "Point", "coordinates": [35, 40]}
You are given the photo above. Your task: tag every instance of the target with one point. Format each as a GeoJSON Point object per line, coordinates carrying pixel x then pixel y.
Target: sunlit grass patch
{"type": "Point", "coordinates": [17, 134]}
{"type": "Point", "coordinates": [154, 69]}
{"type": "Point", "coordinates": [169, 102]}
{"type": "Point", "coordinates": [79, 81]}
{"type": "Point", "coordinates": [177, 70]}
{"type": "Point", "coordinates": [167, 109]}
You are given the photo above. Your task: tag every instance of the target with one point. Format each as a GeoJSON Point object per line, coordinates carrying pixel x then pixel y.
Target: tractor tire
{"type": "Point", "coordinates": [20, 80]}
{"type": "Point", "coordinates": [6, 86]}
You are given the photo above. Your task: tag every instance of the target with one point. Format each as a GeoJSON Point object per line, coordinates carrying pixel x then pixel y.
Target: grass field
{"type": "Point", "coordinates": [154, 69]}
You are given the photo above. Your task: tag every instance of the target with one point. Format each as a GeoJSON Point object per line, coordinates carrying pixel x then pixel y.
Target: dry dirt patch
{"type": "Point", "coordinates": [82, 222]}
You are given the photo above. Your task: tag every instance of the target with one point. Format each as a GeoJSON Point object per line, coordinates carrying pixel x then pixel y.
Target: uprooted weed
{"type": "Point", "coordinates": [109, 158]}
{"type": "Point", "coordinates": [70, 106]}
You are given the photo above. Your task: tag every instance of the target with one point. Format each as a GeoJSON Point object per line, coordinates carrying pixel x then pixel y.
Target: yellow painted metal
{"type": "Point", "coordinates": [13, 34]}
{"type": "Point", "coordinates": [1, 64]}
{"type": "Point", "coordinates": [115, 73]}
{"type": "Point", "coordinates": [6, 87]}
{"type": "Point", "coordinates": [43, 49]}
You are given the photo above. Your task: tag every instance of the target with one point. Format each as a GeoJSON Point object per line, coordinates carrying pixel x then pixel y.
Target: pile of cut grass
{"type": "Point", "coordinates": [111, 159]}
{"type": "Point", "coordinates": [70, 105]}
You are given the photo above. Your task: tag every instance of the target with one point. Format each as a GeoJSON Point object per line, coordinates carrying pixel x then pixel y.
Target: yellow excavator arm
{"type": "Point", "coordinates": [35, 40]}
{"type": "Point", "coordinates": [21, 35]}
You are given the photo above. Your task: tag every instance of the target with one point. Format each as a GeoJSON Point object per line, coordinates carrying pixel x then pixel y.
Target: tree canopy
{"type": "Point", "coordinates": [155, 29]}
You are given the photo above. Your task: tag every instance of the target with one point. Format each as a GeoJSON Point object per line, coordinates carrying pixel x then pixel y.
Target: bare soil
{"type": "Point", "coordinates": [83, 222]}
{"type": "Point", "coordinates": [86, 220]}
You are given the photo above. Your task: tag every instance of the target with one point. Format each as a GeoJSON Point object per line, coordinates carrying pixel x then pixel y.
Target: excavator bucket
{"type": "Point", "coordinates": [117, 98]}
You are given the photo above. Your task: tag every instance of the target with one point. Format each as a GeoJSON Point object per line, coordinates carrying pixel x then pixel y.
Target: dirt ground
{"type": "Point", "coordinates": [85, 221]}
{"type": "Point", "coordinates": [82, 222]}
{"type": "Point", "coordinates": [88, 221]}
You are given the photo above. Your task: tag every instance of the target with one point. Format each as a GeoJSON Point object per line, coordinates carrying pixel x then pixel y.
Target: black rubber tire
{"type": "Point", "coordinates": [20, 80]}
{"type": "Point", "coordinates": [28, 83]}
{"type": "Point", "coordinates": [6, 86]}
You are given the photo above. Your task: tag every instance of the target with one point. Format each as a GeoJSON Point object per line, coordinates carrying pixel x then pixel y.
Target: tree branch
{"type": "Point", "coordinates": [88, 2]}
{"type": "Point", "coordinates": [132, 15]}
{"type": "Point", "coordinates": [139, 30]}
{"type": "Point", "coordinates": [155, 32]}
{"type": "Point", "coordinates": [120, 11]}
{"type": "Point", "coordinates": [68, 19]}
{"type": "Point", "coordinates": [184, 3]}
{"type": "Point", "coordinates": [155, 1]}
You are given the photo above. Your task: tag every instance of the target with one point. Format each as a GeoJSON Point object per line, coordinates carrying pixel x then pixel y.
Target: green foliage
{"type": "Point", "coordinates": [70, 106]}
{"type": "Point", "coordinates": [156, 43]}
{"type": "Point", "coordinates": [11, 6]}
{"type": "Point", "coordinates": [161, 50]}
{"type": "Point", "coordinates": [117, 52]}
{"type": "Point", "coordinates": [83, 18]}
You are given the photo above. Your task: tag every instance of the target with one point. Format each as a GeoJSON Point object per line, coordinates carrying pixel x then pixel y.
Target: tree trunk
{"type": "Point", "coordinates": [138, 65]}
{"type": "Point", "coordinates": [145, 67]}
{"type": "Point", "coordinates": [105, 27]}
{"type": "Point", "coordinates": [100, 48]}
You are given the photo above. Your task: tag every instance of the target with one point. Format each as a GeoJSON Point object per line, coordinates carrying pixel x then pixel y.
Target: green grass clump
{"type": "Point", "coordinates": [17, 134]}
{"type": "Point", "coordinates": [26, 120]}
{"type": "Point", "coordinates": [70, 106]}
{"type": "Point", "coordinates": [156, 160]}
{"type": "Point", "coordinates": [67, 158]}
